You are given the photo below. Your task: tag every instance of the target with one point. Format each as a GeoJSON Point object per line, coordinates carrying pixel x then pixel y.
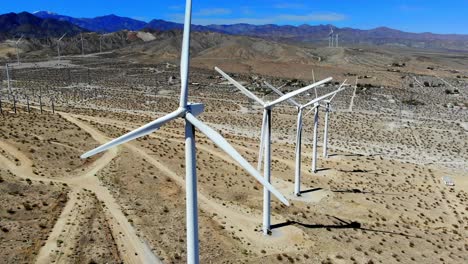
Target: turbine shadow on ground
{"type": "Point", "coordinates": [311, 190]}
{"type": "Point", "coordinates": [343, 225]}
{"type": "Point", "coordinates": [361, 192]}
{"type": "Point", "coordinates": [355, 155]}
{"type": "Point", "coordinates": [356, 171]}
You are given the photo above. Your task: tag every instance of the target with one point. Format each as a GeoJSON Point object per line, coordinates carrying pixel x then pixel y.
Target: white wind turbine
{"type": "Point", "coordinates": [17, 50]}
{"type": "Point", "coordinates": [100, 44]}
{"type": "Point", "coordinates": [265, 143]}
{"type": "Point", "coordinates": [188, 112]}
{"type": "Point", "coordinates": [58, 45]}
{"type": "Point", "coordinates": [82, 44]}
{"type": "Point", "coordinates": [315, 145]}
{"type": "Point", "coordinates": [330, 37]}
{"type": "Point", "coordinates": [328, 109]}
{"type": "Point", "coordinates": [300, 108]}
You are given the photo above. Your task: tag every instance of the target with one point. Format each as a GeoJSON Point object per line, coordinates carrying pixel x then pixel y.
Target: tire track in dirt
{"type": "Point", "coordinates": [131, 247]}
{"type": "Point", "coordinates": [134, 249]}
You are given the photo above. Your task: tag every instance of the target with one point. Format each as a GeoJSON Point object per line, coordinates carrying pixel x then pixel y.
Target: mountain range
{"type": "Point", "coordinates": [28, 25]}
{"type": "Point", "coordinates": [102, 24]}
{"type": "Point", "coordinates": [52, 23]}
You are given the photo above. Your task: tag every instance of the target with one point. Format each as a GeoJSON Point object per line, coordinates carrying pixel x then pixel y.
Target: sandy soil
{"type": "Point", "coordinates": [378, 198]}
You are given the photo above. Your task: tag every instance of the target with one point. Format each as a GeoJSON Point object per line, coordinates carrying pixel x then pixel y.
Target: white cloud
{"type": "Point", "coordinates": [201, 18]}
{"type": "Point", "coordinates": [179, 18]}
{"type": "Point", "coordinates": [176, 7]}
{"type": "Point", "coordinates": [409, 8]}
{"type": "Point", "coordinates": [288, 6]}
{"type": "Point", "coordinates": [326, 17]}
{"type": "Point", "coordinates": [230, 21]}
{"type": "Point", "coordinates": [213, 12]}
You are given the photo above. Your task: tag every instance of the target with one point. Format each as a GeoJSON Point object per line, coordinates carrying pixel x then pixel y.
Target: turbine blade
{"type": "Point", "coordinates": [224, 145]}
{"type": "Point", "coordinates": [277, 91]}
{"type": "Point", "coordinates": [299, 91]}
{"type": "Point", "coordinates": [322, 98]}
{"type": "Point", "coordinates": [62, 37]}
{"type": "Point", "coordinates": [139, 132]}
{"type": "Point", "coordinates": [19, 40]}
{"type": "Point", "coordinates": [185, 55]}
{"type": "Point", "coordinates": [240, 87]}
{"type": "Point", "coordinates": [313, 108]}
{"type": "Point", "coordinates": [337, 89]}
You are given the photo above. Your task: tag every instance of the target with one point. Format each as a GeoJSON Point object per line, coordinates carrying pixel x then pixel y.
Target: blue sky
{"type": "Point", "coordinates": [409, 15]}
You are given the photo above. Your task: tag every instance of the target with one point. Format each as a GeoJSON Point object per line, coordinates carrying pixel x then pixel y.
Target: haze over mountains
{"type": "Point", "coordinates": [53, 24]}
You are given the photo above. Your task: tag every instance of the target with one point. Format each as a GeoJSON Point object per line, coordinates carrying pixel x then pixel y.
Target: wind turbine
{"type": "Point", "coordinates": [17, 50]}
{"type": "Point", "coordinates": [82, 44]}
{"type": "Point", "coordinates": [330, 37]}
{"type": "Point", "coordinates": [328, 109]}
{"type": "Point", "coordinates": [58, 45]}
{"type": "Point", "coordinates": [336, 41]}
{"type": "Point", "coordinates": [315, 145]}
{"type": "Point", "coordinates": [100, 44]}
{"type": "Point", "coordinates": [300, 108]}
{"type": "Point", "coordinates": [188, 112]}
{"type": "Point", "coordinates": [8, 81]}
{"type": "Point", "coordinates": [265, 143]}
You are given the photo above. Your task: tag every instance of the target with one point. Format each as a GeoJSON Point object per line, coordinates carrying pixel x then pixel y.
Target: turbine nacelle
{"type": "Point", "coordinates": [195, 109]}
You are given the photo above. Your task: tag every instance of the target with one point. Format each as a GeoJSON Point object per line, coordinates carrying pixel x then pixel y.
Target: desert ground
{"type": "Point", "coordinates": [379, 197]}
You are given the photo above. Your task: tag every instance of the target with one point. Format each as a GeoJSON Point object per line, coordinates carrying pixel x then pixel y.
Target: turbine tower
{"type": "Point", "coordinates": [315, 145]}
{"type": "Point", "coordinates": [100, 44]}
{"type": "Point", "coordinates": [58, 45]}
{"type": "Point", "coordinates": [8, 81]}
{"type": "Point", "coordinates": [300, 108]}
{"type": "Point", "coordinates": [82, 44]}
{"type": "Point", "coordinates": [17, 49]}
{"type": "Point", "coordinates": [265, 138]}
{"type": "Point", "coordinates": [189, 112]}
{"type": "Point", "coordinates": [330, 37]}
{"type": "Point", "coordinates": [328, 109]}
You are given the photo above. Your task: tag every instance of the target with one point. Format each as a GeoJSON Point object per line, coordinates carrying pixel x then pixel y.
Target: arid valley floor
{"type": "Point", "coordinates": [378, 198]}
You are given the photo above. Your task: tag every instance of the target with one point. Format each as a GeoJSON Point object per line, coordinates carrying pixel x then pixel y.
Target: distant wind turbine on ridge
{"type": "Point", "coordinates": [17, 49]}
{"type": "Point", "coordinates": [82, 44]}
{"type": "Point", "coordinates": [58, 45]}
{"type": "Point", "coordinates": [189, 112]}
{"type": "Point", "coordinates": [330, 37]}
